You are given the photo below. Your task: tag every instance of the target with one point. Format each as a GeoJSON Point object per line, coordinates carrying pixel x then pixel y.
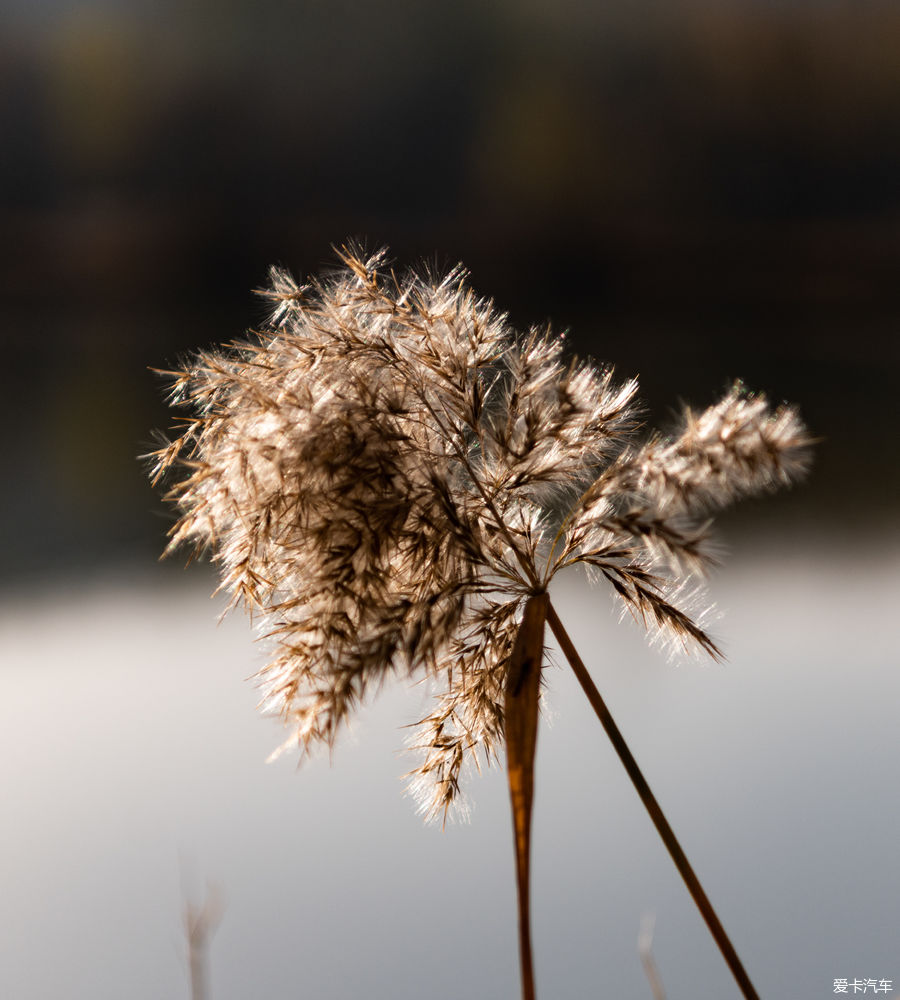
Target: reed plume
{"type": "Point", "coordinates": [387, 475]}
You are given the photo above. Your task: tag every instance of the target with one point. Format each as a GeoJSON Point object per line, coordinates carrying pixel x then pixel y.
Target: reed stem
{"type": "Point", "coordinates": [652, 806]}
{"type": "Point", "coordinates": [523, 690]}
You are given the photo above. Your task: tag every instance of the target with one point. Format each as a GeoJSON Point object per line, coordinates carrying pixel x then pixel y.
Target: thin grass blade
{"type": "Point", "coordinates": [521, 714]}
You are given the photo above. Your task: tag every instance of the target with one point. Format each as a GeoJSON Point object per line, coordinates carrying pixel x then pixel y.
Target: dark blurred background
{"type": "Point", "coordinates": [697, 190]}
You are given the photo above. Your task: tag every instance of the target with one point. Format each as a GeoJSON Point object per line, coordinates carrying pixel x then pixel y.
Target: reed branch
{"type": "Point", "coordinates": [652, 806]}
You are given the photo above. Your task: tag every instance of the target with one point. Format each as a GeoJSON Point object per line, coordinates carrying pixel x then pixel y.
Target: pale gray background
{"type": "Point", "coordinates": [133, 768]}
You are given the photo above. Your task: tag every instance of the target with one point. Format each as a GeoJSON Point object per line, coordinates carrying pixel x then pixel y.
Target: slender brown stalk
{"type": "Point", "coordinates": [652, 806]}
{"type": "Point", "coordinates": [645, 950]}
{"type": "Point", "coordinates": [200, 922]}
{"type": "Point", "coordinates": [523, 688]}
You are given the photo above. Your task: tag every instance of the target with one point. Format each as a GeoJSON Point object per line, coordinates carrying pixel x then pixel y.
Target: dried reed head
{"type": "Point", "coordinates": [387, 472]}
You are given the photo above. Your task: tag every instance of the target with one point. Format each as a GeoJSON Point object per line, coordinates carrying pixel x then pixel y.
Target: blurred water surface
{"type": "Point", "coordinates": [133, 769]}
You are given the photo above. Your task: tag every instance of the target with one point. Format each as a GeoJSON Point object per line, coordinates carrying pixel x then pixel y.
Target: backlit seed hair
{"type": "Point", "coordinates": [387, 471]}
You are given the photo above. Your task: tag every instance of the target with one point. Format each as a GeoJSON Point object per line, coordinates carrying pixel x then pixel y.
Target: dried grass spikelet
{"type": "Point", "coordinates": [387, 472]}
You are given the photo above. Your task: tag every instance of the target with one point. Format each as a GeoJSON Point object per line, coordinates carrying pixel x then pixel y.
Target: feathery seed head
{"type": "Point", "coordinates": [387, 471]}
